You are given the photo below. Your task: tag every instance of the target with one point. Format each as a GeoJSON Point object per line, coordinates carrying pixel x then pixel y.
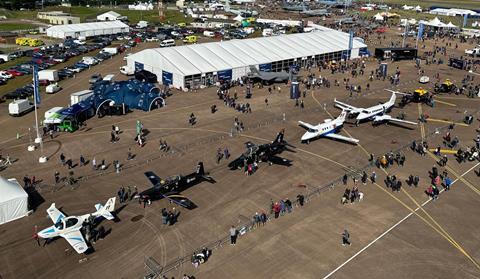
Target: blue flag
{"type": "Point", "coordinates": [421, 28]}
{"type": "Point", "coordinates": [36, 92]}
{"type": "Point", "coordinates": [350, 40]}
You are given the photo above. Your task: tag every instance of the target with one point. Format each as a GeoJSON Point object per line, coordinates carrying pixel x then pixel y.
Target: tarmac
{"type": "Point", "coordinates": [438, 240]}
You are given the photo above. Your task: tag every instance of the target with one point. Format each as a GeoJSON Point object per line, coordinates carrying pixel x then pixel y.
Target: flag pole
{"type": "Point", "coordinates": [36, 100]}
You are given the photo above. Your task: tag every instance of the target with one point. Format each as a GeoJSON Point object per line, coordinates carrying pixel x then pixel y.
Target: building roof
{"type": "Point", "coordinates": [218, 56]}
{"type": "Point", "coordinates": [87, 26]}
{"type": "Point", "coordinates": [110, 14]}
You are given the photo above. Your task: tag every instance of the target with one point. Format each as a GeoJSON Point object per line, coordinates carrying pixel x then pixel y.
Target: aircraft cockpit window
{"type": "Point", "coordinates": [312, 130]}
{"type": "Point", "coordinates": [71, 222]}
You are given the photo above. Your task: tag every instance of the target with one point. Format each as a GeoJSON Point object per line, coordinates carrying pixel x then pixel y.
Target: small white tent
{"type": "Point", "coordinates": [13, 200]}
{"type": "Point", "coordinates": [378, 17]}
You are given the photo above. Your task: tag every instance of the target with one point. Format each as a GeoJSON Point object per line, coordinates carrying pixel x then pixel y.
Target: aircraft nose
{"type": "Point", "coordinates": [45, 233]}
{"type": "Point", "coordinates": [305, 137]}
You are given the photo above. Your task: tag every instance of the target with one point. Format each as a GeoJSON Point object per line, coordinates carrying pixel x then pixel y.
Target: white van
{"type": "Point", "coordinates": [20, 107]}
{"type": "Point", "coordinates": [209, 34]}
{"type": "Point", "coordinates": [109, 77]}
{"type": "Point", "coordinates": [167, 43]}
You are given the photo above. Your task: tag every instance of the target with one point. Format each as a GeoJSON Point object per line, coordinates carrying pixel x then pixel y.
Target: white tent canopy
{"type": "Point", "coordinates": [378, 17]}
{"type": "Point", "coordinates": [451, 25]}
{"type": "Point", "coordinates": [237, 56]}
{"type": "Point", "coordinates": [13, 200]}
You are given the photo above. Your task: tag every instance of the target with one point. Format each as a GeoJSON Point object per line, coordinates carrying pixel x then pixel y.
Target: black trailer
{"type": "Point", "coordinates": [396, 53]}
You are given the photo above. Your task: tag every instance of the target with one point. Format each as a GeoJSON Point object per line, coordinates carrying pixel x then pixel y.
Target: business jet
{"type": "Point", "coordinates": [69, 227]}
{"type": "Point", "coordinates": [376, 113]}
{"type": "Point", "coordinates": [326, 129]}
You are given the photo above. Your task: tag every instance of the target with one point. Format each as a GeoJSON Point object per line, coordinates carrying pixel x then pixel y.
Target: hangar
{"type": "Point", "coordinates": [87, 29]}
{"type": "Point", "coordinates": [191, 66]}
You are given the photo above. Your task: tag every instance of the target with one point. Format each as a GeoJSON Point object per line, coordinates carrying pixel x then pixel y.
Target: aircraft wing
{"type": "Point", "coordinates": [347, 107]}
{"type": "Point", "coordinates": [389, 118]}
{"type": "Point", "coordinates": [75, 239]}
{"type": "Point", "coordinates": [55, 214]}
{"type": "Point", "coordinates": [154, 179]}
{"type": "Point", "coordinates": [306, 125]}
{"type": "Point", "coordinates": [180, 200]}
{"type": "Point", "coordinates": [397, 92]}
{"type": "Point", "coordinates": [342, 138]}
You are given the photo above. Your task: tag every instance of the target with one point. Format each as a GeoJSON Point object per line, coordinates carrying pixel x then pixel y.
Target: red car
{"type": "Point", "coordinates": [14, 73]}
{"type": "Point", "coordinates": [43, 82]}
{"type": "Point", "coordinates": [381, 30]}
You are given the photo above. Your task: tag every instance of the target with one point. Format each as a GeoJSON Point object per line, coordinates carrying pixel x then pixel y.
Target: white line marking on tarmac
{"type": "Point", "coordinates": [391, 228]}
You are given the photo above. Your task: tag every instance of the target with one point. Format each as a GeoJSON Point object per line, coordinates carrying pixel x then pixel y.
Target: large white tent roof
{"type": "Point", "coordinates": [81, 27]}
{"type": "Point", "coordinates": [217, 56]}
{"type": "Point", "coordinates": [13, 200]}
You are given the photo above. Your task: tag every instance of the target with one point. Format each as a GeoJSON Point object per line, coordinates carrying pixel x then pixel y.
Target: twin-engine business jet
{"type": "Point", "coordinates": [69, 227]}
{"type": "Point", "coordinates": [376, 113]}
{"type": "Point", "coordinates": [327, 129]}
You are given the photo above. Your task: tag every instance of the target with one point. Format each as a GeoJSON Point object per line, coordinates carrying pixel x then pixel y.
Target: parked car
{"type": "Point", "coordinates": [5, 75]}
{"type": "Point", "coordinates": [94, 78]}
{"type": "Point", "coordinates": [14, 72]}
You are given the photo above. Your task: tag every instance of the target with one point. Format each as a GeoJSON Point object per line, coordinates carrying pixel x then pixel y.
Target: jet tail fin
{"type": "Point", "coordinates": [342, 115]}
{"type": "Point", "coordinates": [106, 210]}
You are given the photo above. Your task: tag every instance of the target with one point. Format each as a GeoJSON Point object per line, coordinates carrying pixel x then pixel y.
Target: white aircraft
{"type": "Point", "coordinates": [69, 227]}
{"type": "Point", "coordinates": [243, 1]}
{"type": "Point", "coordinates": [376, 113]}
{"type": "Point", "coordinates": [244, 13]}
{"type": "Point", "coordinates": [327, 129]}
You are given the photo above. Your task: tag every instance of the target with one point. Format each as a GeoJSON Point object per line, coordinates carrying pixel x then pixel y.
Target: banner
{"type": "Point", "coordinates": [36, 92]}
{"type": "Point", "coordinates": [465, 18]}
{"type": "Point", "coordinates": [350, 40]}
{"type": "Point", "coordinates": [294, 90]}
{"type": "Point", "coordinates": [421, 28]}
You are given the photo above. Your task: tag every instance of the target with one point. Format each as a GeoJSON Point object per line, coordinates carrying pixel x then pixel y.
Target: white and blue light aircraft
{"type": "Point", "coordinates": [327, 129]}
{"type": "Point", "coordinates": [69, 227]}
{"type": "Point", "coordinates": [376, 113]}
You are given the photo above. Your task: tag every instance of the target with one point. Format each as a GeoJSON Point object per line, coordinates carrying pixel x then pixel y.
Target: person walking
{"type": "Point", "coordinates": [346, 238]}
{"type": "Point", "coordinates": [94, 163]}
{"type": "Point", "coordinates": [7, 160]}
{"type": "Point", "coordinates": [57, 177]}
{"type": "Point", "coordinates": [233, 235]}
{"type": "Point", "coordinates": [82, 160]}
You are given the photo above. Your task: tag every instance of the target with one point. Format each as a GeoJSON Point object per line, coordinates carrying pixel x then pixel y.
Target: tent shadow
{"type": "Point", "coordinates": [34, 198]}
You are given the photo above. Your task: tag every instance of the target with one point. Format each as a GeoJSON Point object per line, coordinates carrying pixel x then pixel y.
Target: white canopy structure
{"type": "Point", "coordinates": [109, 16]}
{"type": "Point", "coordinates": [195, 65]}
{"type": "Point", "coordinates": [13, 200]}
{"type": "Point", "coordinates": [87, 29]}
{"type": "Point", "coordinates": [434, 23]}
{"type": "Point", "coordinates": [378, 17]}
{"type": "Point", "coordinates": [451, 25]}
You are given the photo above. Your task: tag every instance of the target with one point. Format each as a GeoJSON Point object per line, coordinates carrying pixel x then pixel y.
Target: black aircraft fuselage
{"type": "Point", "coordinates": [171, 187]}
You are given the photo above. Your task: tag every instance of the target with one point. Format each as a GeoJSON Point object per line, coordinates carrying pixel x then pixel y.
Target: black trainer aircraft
{"type": "Point", "coordinates": [171, 187]}
{"type": "Point", "coordinates": [264, 153]}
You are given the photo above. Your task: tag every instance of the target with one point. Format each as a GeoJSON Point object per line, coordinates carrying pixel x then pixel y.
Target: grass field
{"type": "Point", "coordinates": [90, 13]}
{"type": "Point", "coordinates": [6, 26]}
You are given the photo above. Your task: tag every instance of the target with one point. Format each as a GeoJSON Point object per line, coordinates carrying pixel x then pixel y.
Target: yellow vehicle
{"type": "Point", "coordinates": [251, 19]}
{"type": "Point", "coordinates": [191, 39]}
{"type": "Point", "coordinates": [21, 41]}
{"type": "Point", "coordinates": [446, 87]}
{"type": "Point", "coordinates": [182, 24]}
{"type": "Point", "coordinates": [420, 93]}
{"type": "Point", "coordinates": [35, 42]}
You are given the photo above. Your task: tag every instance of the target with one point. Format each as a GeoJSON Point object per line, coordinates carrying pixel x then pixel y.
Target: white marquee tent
{"type": "Point", "coordinates": [13, 200]}
{"type": "Point", "coordinates": [87, 29]}
{"type": "Point", "coordinates": [198, 64]}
